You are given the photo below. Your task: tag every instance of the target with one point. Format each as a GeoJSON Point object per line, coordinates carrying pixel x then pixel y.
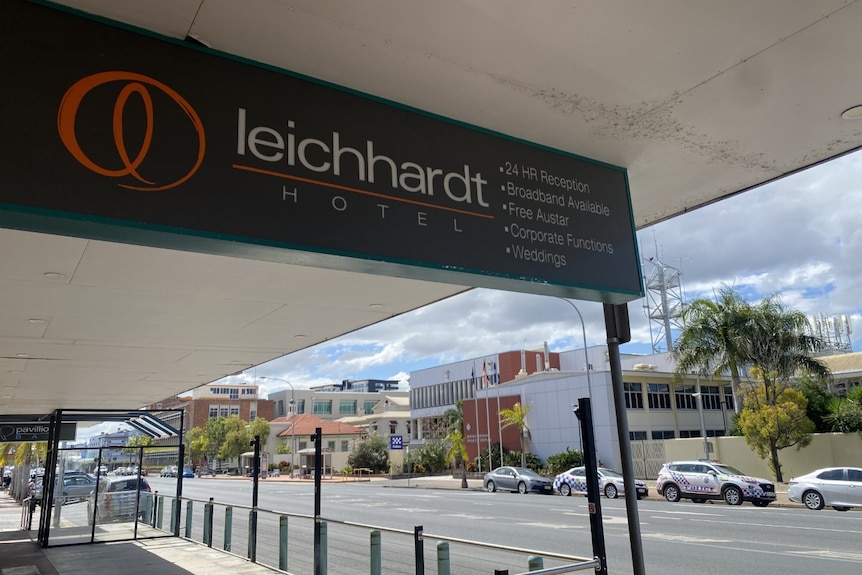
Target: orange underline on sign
{"type": "Point", "coordinates": [358, 191]}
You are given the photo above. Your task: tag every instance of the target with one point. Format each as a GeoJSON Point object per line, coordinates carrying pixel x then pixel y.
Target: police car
{"type": "Point", "coordinates": [610, 483]}
{"type": "Point", "coordinates": [701, 481]}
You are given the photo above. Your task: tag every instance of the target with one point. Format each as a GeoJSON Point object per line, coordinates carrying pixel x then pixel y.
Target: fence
{"type": "Point", "coordinates": [288, 542]}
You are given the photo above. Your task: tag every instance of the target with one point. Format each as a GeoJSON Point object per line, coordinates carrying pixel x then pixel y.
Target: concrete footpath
{"type": "Point", "coordinates": [21, 555]}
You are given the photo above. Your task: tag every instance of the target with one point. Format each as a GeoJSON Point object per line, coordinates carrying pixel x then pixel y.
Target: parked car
{"type": "Point", "coordinates": [168, 471]}
{"type": "Point", "coordinates": [838, 487]}
{"type": "Point", "coordinates": [518, 479]}
{"type": "Point", "coordinates": [77, 486]}
{"type": "Point", "coordinates": [187, 472]}
{"type": "Point", "coordinates": [702, 480]}
{"type": "Point", "coordinates": [611, 484]}
{"type": "Point", "coordinates": [118, 499]}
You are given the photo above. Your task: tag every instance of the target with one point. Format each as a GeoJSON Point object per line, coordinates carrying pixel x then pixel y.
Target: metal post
{"type": "Point", "coordinates": [251, 548]}
{"type": "Point", "coordinates": [174, 529]}
{"type": "Point", "coordinates": [160, 511]}
{"type": "Point", "coordinates": [535, 563]}
{"type": "Point", "coordinates": [252, 525]}
{"type": "Point", "coordinates": [443, 558]}
{"type": "Point", "coordinates": [318, 456]}
{"type": "Point", "coordinates": [324, 550]}
{"type": "Point", "coordinates": [282, 542]}
{"type": "Point", "coordinates": [189, 519]}
{"type": "Point", "coordinates": [419, 550]}
{"type": "Point", "coordinates": [618, 331]}
{"type": "Point", "coordinates": [376, 553]}
{"type": "Point", "coordinates": [584, 412]}
{"type": "Point", "coordinates": [228, 527]}
{"type": "Point", "coordinates": [208, 523]}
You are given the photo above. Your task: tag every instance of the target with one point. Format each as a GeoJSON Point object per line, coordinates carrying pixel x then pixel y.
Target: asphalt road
{"type": "Point", "coordinates": [680, 538]}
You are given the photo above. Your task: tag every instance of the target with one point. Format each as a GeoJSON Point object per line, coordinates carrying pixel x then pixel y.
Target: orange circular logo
{"type": "Point", "coordinates": [136, 84]}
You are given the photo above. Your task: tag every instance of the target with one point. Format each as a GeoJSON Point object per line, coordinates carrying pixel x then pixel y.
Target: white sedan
{"type": "Point", "coordinates": [838, 487]}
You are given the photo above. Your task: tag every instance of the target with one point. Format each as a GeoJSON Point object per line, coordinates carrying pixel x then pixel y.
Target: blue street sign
{"type": "Point", "coordinates": [396, 442]}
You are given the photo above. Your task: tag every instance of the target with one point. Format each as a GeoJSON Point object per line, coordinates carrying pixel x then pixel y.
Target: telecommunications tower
{"type": "Point", "coordinates": [663, 303]}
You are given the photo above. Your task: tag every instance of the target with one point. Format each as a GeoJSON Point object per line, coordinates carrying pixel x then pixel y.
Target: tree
{"type": "Point", "coordinates": [134, 443]}
{"type": "Point", "coordinates": [712, 337]}
{"type": "Point", "coordinates": [371, 454]}
{"type": "Point", "coordinates": [517, 416]}
{"type": "Point", "coordinates": [198, 445]}
{"type": "Point", "coordinates": [236, 437]}
{"type": "Point", "coordinates": [776, 342]}
{"type": "Point", "coordinates": [773, 418]}
{"type": "Point", "coordinates": [845, 413]}
{"type": "Point", "coordinates": [819, 399]}
{"type": "Point", "coordinates": [429, 457]}
{"type": "Point", "coordinates": [457, 447]}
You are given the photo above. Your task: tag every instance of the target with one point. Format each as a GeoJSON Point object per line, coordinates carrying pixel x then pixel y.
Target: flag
{"type": "Point", "coordinates": [496, 377]}
{"type": "Point", "coordinates": [485, 373]}
{"type": "Point", "coordinates": [473, 376]}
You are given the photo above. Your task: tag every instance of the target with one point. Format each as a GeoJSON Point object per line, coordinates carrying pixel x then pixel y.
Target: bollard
{"type": "Point", "coordinates": [228, 527]}
{"type": "Point", "coordinates": [189, 519]}
{"type": "Point", "coordinates": [208, 523]}
{"type": "Point", "coordinates": [418, 550]}
{"type": "Point", "coordinates": [148, 508]}
{"type": "Point", "coordinates": [174, 525]}
{"type": "Point", "coordinates": [501, 572]}
{"type": "Point", "coordinates": [282, 542]}
{"type": "Point", "coordinates": [376, 553]}
{"type": "Point", "coordinates": [443, 558]}
{"type": "Point", "coordinates": [535, 563]}
{"type": "Point", "coordinates": [160, 512]}
{"type": "Point", "coordinates": [252, 535]}
{"type": "Point", "coordinates": [323, 549]}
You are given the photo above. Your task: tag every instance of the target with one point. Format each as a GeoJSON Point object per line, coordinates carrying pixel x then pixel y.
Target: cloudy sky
{"type": "Point", "coordinates": [800, 237]}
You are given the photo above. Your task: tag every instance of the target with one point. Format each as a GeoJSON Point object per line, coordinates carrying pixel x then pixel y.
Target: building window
{"type": "Point", "coordinates": [685, 398]}
{"type": "Point", "coordinates": [634, 397]}
{"type": "Point", "coordinates": [330, 445]}
{"type": "Point", "coordinates": [345, 445]}
{"type": "Point", "coordinates": [279, 408]}
{"type": "Point", "coordinates": [711, 397]}
{"type": "Point", "coordinates": [658, 396]}
{"type": "Point", "coordinates": [346, 407]}
{"type": "Point", "coordinates": [393, 427]}
{"type": "Point", "coordinates": [689, 433]}
{"type": "Point", "coordinates": [300, 406]}
{"type": "Point", "coordinates": [234, 393]}
{"type": "Point", "coordinates": [322, 407]}
{"type": "Point", "coordinates": [303, 445]}
{"type": "Point", "coordinates": [252, 415]}
{"type": "Point", "coordinates": [223, 411]}
{"type": "Point", "coordinates": [663, 434]}
{"type": "Point", "coordinates": [213, 411]}
{"type": "Point", "coordinates": [368, 407]}
{"type": "Point", "coordinates": [234, 410]}
{"type": "Point", "coordinates": [637, 435]}
{"type": "Point", "coordinates": [728, 398]}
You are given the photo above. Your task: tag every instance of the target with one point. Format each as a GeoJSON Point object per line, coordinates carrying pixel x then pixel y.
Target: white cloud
{"type": "Point", "coordinates": [799, 237]}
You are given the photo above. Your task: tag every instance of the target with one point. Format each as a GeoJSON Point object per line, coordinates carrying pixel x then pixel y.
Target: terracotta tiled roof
{"type": "Point", "coordinates": [306, 424]}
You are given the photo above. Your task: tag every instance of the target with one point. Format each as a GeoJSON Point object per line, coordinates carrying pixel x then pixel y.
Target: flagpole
{"type": "Point", "coordinates": [487, 411]}
{"type": "Point", "coordinates": [496, 380]}
{"type": "Point", "coordinates": [476, 409]}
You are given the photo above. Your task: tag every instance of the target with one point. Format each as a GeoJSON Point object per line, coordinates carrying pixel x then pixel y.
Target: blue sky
{"type": "Point", "coordinates": [799, 237]}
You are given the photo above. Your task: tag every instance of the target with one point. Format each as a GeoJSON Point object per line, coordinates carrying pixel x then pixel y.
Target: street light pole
{"type": "Point", "coordinates": [586, 354]}
{"type": "Point", "coordinates": [292, 419]}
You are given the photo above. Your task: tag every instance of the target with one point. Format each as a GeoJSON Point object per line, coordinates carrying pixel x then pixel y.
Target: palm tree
{"type": "Point", "coordinates": [517, 416]}
{"type": "Point", "coordinates": [712, 337]}
{"type": "Point", "coordinates": [777, 341]}
{"type": "Point", "coordinates": [457, 452]}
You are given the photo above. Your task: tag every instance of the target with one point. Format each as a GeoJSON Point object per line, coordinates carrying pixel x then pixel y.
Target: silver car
{"type": "Point", "coordinates": [118, 499]}
{"type": "Point", "coordinates": [838, 487]}
{"type": "Point", "coordinates": [518, 479]}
